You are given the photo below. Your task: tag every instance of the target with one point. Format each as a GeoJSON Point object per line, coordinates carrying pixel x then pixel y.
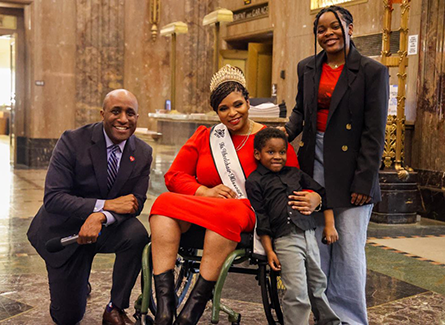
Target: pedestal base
{"type": "Point", "coordinates": [400, 199]}
{"type": "Point", "coordinates": [393, 218]}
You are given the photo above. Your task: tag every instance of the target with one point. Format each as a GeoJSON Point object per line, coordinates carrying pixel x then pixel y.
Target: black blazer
{"type": "Point", "coordinates": [77, 177]}
{"type": "Point", "coordinates": [355, 130]}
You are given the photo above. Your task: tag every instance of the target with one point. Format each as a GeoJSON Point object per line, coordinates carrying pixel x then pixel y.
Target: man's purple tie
{"type": "Point", "coordinates": [112, 166]}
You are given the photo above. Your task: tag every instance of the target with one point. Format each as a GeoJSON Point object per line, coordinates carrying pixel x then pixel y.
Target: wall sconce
{"type": "Point", "coordinates": [216, 17]}
{"type": "Point", "coordinates": [155, 14]}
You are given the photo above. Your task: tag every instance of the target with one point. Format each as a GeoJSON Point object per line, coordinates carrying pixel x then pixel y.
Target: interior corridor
{"type": "Point", "coordinates": [406, 265]}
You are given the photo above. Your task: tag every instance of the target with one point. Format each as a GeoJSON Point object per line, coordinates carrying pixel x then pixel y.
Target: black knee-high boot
{"type": "Point", "coordinates": [165, 297]}
{"type": "Point", "coordinates": [196, 303]}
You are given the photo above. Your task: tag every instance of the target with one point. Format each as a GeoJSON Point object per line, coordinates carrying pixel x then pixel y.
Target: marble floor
{"type": "Point", "coordinates": [406, 263]}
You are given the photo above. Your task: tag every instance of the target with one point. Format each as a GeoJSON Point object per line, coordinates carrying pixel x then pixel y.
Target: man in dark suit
{"type": "Point", "coordinates": [95, 187]}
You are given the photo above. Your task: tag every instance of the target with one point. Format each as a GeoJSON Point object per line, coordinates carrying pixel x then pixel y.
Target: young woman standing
{"type": "Point", "coordinates": [341, 108]}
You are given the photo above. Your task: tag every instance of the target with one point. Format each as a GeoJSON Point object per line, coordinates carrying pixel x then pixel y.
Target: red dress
{"type": "Point", "coordinates": [193, 167]}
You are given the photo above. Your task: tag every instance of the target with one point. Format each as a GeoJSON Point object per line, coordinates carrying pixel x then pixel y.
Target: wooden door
{"type": "Point", "coordinates": [259, 70]}
{"type": "Point", "coordinates": [256, 63]}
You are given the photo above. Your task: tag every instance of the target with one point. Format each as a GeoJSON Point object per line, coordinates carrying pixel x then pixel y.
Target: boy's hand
{"type": "Point", "coordinates": [331, 234]}
{"type": "Point", "coordinates": [273, 261]}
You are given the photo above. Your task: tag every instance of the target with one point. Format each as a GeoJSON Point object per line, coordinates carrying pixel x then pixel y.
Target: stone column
{"type": "Point", "coordinates": [99, 55]}
{"type": "Point", "coordinates": [197, 58]}
{"type": "Point", "coordinates": [429, 134]}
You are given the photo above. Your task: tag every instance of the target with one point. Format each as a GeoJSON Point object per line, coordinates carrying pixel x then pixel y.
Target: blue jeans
{"type": "Point", "coordinates": [344, 262]}
{"type": "Point", "coordinates": [303, 278]}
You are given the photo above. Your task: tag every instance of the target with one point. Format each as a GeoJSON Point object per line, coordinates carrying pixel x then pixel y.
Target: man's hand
{"type": "Point", "coordinates": [359, 199]}
{"type": "Point", "coordinates": [123, 205]}
{"type": "Point", "coordinates": [90, 229]}
{"type": "Point", "coordinates": [305, 202]}
{"type": "Point", "coordinates": [220, 191]}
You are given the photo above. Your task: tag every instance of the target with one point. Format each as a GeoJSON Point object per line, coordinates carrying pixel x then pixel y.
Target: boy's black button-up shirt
{"type": "Point", "coordinates": [269, 192]}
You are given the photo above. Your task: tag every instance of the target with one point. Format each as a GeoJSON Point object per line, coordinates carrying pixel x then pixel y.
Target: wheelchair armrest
{"type": "Point", "coordinates": [246, 240]}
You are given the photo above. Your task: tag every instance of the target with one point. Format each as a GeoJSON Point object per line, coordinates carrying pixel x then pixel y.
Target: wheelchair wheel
{"type": "Point", "coordinates": [143, 320]}
{"type": "Point", "coordinates": [184, 278]}
{"type": "Point", "coordinates": [272, 292]}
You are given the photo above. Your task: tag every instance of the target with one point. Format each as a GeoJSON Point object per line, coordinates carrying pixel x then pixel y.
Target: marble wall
{"type": "Point", "coordinates": [99, 55]}
{"type": "Point", "coordinates": [197, 58]}
{"type": "Point", "coordinates": [429, 132]}
{"type": "Point", "coordinates": [84, 48]}
{"type": "Point", "coordinates": [51, 53]}
{"type": "Point", "coordinates": [147, 62]}
{"type": "Point", "coordinates": [77, 51]}
{"type": "Point", "coordinates": [45, 98]}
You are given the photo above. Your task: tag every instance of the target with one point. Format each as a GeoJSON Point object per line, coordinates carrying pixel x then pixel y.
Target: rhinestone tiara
{"type": "Point", "coordinates": [225, 74]}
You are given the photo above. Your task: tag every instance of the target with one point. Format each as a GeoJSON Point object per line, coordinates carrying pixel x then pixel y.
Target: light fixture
{"type": "Point", "coordinates": [217, 17]}
{"type": "Point", "coordinates": [172, 30]}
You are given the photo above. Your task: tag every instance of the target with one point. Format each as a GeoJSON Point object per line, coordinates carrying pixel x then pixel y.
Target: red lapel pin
{"type": "Point", "coordinates": [131, 158]}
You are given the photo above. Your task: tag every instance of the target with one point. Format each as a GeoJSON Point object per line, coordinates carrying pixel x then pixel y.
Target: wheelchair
{"type": "Point", "coordinates": [187, 269]}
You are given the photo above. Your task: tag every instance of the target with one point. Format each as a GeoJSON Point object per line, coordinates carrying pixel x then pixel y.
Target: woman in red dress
{"type": "Point", "coordinates": [198, 196]}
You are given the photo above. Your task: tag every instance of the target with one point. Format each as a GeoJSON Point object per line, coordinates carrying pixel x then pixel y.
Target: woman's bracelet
{"type": "Point", "coordinates": [318, 208]}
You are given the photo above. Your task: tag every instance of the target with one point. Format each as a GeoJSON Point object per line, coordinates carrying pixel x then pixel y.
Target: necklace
{"type": "Point", "coordinates": [247, 138]}
{"type": "Point", "coordinates": [335, 66]}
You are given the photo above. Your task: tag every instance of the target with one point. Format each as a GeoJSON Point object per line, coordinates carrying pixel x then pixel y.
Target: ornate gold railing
{"type": "Point", "coordinates": [393, 154]}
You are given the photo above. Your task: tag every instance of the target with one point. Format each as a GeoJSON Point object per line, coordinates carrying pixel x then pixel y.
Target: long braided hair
{"type": "Point", "coordinates": [346, 17]}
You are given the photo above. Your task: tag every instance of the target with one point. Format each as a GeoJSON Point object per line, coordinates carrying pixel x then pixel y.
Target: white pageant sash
{"type": "Point", "coordinates": [226, 160]}
{"type": "Point", "coordinates": [230, 170]}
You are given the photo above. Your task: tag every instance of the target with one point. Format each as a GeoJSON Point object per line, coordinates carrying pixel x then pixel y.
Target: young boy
{"type": "Point", "coordinates": [296, 252]}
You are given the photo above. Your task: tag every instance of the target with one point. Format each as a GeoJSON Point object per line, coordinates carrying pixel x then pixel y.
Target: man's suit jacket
{"type": "Point", "coordinates": [355, 130]}
{"type": "Point", "coordinates": [77, 177]}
